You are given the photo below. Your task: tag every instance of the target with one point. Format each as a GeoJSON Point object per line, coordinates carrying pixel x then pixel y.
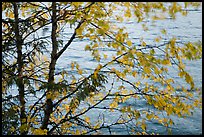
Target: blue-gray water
{"type": "Point", "coordinates": [185, 28]}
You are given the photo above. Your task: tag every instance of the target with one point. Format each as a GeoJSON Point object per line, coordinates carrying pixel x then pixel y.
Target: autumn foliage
{"type": "Point", "coordinates": [58, 102]}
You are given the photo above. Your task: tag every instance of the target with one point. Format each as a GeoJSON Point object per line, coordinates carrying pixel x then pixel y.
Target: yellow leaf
{"type": "Point", "coordinates": [171, 122]}
{"type": "Point", "coordinates": [113, 104]}
{"type": "Point", "coordinates": [128, 13]}
{"type": "Point", "coordinates": [129, 43]}
{"type": "Point", "coordinates": [77, 132]}
{"type": "Point", "coordinates": [188, 78]}
{"type": "Point", "coordinates": [147, 70]}
{"type": "Point", "coordinates": [92, 37]}
{"type": "Point", "coordinates": [95, 45]}
{"type": "Point", "coordinates": [149, 116]}
{"type": "Point", "coordinates": [80, 71]}
{"type": "Point", "coordinates": [87, 119]}
{"type": "Point", "coordinates": [97, 126]}
{"type": "Point", "coordinates": [138, 123]}
{"type": "Point", "coordinates": [169, 131]}
{"type": "Point", "coordinates": [87, 47]}
{"type": "Point", "coordinates": [165, 120]}
{"type": "Point", "coordinates": [137, 84]}
{"type": "Point", "coordinates": [105, 56]}
{"type": "Point", "coordinates": [124, 92]}
{"type": "Point", "coordinates": [119, 18]}
{"type": "Point", "coordinates": [163, 31]}
{"type": "Point", "coordinates": [128, 109]}
{"type": "Point", "coordinates": [166, 62]}
{"type": "Point", "coordinates": [40, 132]}
{"type": "Point", "coordinates": [11, 15]}
{"type": "Point", "coordinates": [23, 128]}
{"type": "Point", "coordinates": [79, 31]}
{"type": "Point", "coordinates": [91, 100]}
{"type": "Point", "coordinates": [157, 39]}
{"type": "Point", "coordinates": [95, 74]}
{"type": "Point", "coordinates": [45, 16]}
{"type": "Point", "coordinates": [181, 74]}
{"type": "Point", "coordinates": [173, 41]}
{"type": "Point", "coordinates": [77, 66]}
{"type": "Point", "coordinates": [67, 108]}
{"type": "Point", "coordinates": [143, 44]}
{"type": "Point", "coordinates": [72, 65]}
{"type": "Point", "coordinates": [134, 73]}
{"type": "Point", "coordinates": [143, 126]}
{"type": "Point", "coordinates": [113, 69]}
{"type": "Point", "coordinates": [101, 31]}
{"type": "Point", "coordinates": [49, 95]}
{"type": "Point", "coordinates": [160, 121]}
{"type": "Point", "coordinates": [12, 129]}
{"type": "Point", "coordinates": [99, 67]}
{"type": "Point", "coordinates": [184, 13]}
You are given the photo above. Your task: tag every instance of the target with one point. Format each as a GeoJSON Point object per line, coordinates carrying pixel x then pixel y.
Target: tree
{"type": "Point", "coordinates": [58, 102]}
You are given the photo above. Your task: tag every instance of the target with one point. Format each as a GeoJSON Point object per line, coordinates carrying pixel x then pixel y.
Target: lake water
{"type": "Point", "coordinates": [185, 28]}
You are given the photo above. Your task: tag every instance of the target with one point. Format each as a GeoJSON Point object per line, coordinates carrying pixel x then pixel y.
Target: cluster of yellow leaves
{"type": "Point", "coordinates": [49, 95]}
{"type": "Point", "coordinates": [77, 4]}
{"type": "Point", "coordinates": [143, 125]}
{"type": "Point", "coordinates": [192, 50]}
{"type": "Point", "coordinates": [114, 104]}
{"type": "Point", "coordinates": [4, 86]}
{"type": "Point", "coordinates": [10, 15]}
{"type": "Point", "coordinates": [129, 43]}
{"type": "Point", "coordinates": [87, 119]}
{"type": "Point", "coordinates": [79, 70]}
{"type": "Point", "coordinates": [163, 31]}
{"type": "Point", "coordinates": [81, 29]}
{"type": "Point", "coordinates": [188, 78]}
{"type": "Point", "coordinates": [32, 120]}
{"type": "Point", "coordinates": [6, 5]}
{"type": "Point", "coordinates": [99, 17]}
{"type": "Point", "coordinates": [39, 131]}
{"type": "Point", "coordinates": [74, 104]}
{"type": "Point", "coordinates": [66, 127]}
{"type": "Point", "coordinates": [149, 116]}
{"type": "Point", "coordinates": [12, 129]}
{"type": "Point", "coordinates": [87, 47]}
{"type": "Point", "coordinates": [129, 109]}
{"type": "Point", "coordinates": [160, 17]}
{"type": "Point", "coordinates": [166, 62]}
{"type": "Point", "coordinates": [158, 39]}
{"type": "Point", "coordinates": [96, 71]}
{"type": "Point", "coordinates": [23, 127]}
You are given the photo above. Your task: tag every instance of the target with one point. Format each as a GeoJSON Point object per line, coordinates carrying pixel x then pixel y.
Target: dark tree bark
{"type": "Point", "coordinates": [49, 103]}
{"type": "Point", "coordinates": [20, 82]}
{"type": "Point", "coordinates": [54, 56]}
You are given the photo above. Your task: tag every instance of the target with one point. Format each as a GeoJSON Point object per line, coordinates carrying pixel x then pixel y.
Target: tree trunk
{"type": "Point", "coordinates": [20, 82]}
{"type": "Point", "coordinates": [49, 103]}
